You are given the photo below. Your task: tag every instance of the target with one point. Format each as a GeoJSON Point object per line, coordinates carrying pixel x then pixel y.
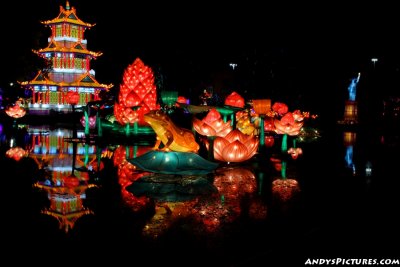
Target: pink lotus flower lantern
{"type": "Point", "coordinates": [212, 124]}
{"type": "Point", "coordinates": [235, 147]}
{"type": "Point", "coordinates": [289, 123]}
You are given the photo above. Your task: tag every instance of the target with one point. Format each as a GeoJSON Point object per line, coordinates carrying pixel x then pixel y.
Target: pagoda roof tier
{"type": "Point", "coordinates": [85, 80]}
{"type": "Point", "coordinates": [68, 15]}
{"type": "Point", "coordinates": [77, 48]}
{"type": "Point", "coordinates": [67, 221]}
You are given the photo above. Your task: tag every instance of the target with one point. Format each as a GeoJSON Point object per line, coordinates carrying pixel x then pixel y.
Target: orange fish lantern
{"type": "Point", "coordinates": [212, 124]}
{"type": "Point", "coordinates": [235, 147]}
{"type": "Point", "coordinates": [234, 100]}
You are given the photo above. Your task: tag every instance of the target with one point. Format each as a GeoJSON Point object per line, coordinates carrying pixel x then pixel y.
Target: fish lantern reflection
{"type": "Point", "coordinates": [235, 147]}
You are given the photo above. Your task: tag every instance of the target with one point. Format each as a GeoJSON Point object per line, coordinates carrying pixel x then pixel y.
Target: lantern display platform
{"type": "Point", "coordinates": [171, 162]}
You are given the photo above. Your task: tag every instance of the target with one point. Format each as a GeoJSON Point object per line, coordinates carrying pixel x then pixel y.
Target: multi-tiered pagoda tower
{"type": "Point", "coordinates": [70, 70]}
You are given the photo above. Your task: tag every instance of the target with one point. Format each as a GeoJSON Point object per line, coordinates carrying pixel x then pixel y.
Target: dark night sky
{"type": "Point", "coordinates": [285, 51]}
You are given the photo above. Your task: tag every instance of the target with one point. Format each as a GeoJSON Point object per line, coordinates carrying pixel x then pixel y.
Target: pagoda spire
{"type": "Point", "coordinates": [67, 5]}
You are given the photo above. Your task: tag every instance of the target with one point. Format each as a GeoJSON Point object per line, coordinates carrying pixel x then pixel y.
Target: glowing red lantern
{"type": "Point", "coordinates": [269, 140]}
{"type": "Point", "coordinates": [234, 100]}
{"type": "Point", "coordinates": [71, 181]}
{"type": "Point", "coordinates": [15, 111]}
{"type": "Point", "coordinates": [16, 153]}
{"type": "Point", "coordinates": [72, 97]}
{"type": "Point", "coordinates": [182, 100]}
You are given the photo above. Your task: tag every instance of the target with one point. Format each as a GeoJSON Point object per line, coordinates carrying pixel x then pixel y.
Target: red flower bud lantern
{"type": "Point", "coordinates": [234, 100]}
{"type": "Point", "coordinates": [137, 90]}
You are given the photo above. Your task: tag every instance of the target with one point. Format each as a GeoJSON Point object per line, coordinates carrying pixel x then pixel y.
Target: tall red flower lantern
{"type": "Point", "coordinates": [137, 95]}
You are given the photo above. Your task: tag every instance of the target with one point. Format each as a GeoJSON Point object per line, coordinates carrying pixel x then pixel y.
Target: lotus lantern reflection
{"type": "Point", "coordinates": [235, 147]}
{"type": "Point", "coordinates": [285, 189]}
{"type": "Point", "coordinates": [212, 124]}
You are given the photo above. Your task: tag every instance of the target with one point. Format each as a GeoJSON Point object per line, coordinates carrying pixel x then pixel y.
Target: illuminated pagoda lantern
{"type": "Point", "coordinates": [69, 61]}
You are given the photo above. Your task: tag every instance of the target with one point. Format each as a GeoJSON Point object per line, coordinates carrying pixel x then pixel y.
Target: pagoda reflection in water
{"type": "Point", "coordinates": [64, 184]}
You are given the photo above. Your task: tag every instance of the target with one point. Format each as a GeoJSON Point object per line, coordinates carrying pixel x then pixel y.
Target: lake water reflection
{"type": "Point", "coordinates": [87, 199]}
